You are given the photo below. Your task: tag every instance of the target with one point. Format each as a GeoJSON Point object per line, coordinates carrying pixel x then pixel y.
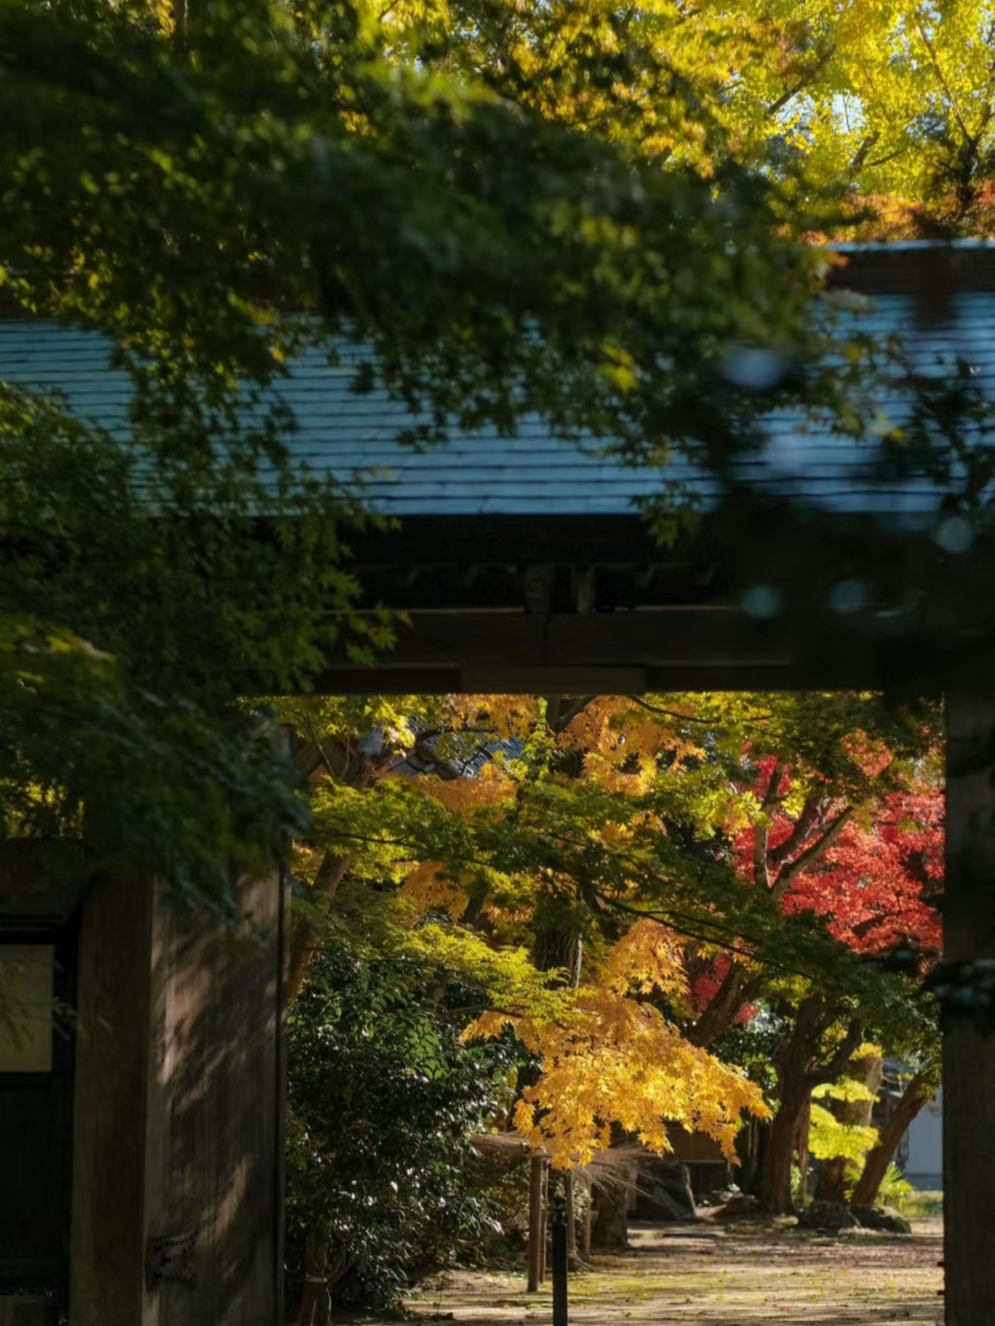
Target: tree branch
{"type": "Point", "coordinates": [811, 854]}
{"type": "Point", "coordinates": [761, 832]}
{"type": "Point", "coordinates": [969, 137]}
{"type": "Point", "coordinates": [861, 154]}
{"type": "Point", "coordinates": [809, 814]}
{"type": "Point", "coordinates": [691, 718]}
{"type": "Point", "coordinates": [829, 1072]}
{"type": "Point", "coordinates": [803, 82]}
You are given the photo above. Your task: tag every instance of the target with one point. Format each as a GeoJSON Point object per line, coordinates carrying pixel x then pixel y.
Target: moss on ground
{"type": "Point", "coordinates": [741, 1275]}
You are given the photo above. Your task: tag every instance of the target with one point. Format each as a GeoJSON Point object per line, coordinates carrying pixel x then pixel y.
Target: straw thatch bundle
{"type": "Point", "coordinates": [610, 1169]}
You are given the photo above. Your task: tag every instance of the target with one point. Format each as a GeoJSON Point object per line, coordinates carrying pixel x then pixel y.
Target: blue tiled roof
{"type": "Point", "coordinates": [355, 437]}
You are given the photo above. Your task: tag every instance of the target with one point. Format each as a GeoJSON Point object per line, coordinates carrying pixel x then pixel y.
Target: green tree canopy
{"type": "Point", "coordinates": [213, 195]}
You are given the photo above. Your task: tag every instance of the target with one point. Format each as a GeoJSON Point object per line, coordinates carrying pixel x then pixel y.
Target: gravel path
{"type": "Point", "coordinates": [721, 1276]}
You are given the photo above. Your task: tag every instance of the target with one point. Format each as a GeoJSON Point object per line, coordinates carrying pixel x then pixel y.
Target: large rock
{"type": "Point", "coordinates": [830, 1217]}
{"type": "Point", "coordinates": [740, 1207]}
{"type": "Point", "coordinates": [879, 1217]}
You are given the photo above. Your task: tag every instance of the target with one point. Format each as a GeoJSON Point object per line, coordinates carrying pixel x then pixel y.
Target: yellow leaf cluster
{"type": "Point", "coordinates": [504, 715]}
{"type": "Point", "coordinates": [619, 1061]}
{"type": "Point", "coordinates": [645, 959]}
{"type": "Point", "coordinates": [612, 1058]}
{"type": "Point", "coordinates": [623, 743]}
{"type": "Point", "coordinates": [829, 1138]}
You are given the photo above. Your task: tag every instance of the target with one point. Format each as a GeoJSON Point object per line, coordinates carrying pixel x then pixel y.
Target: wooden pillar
{"type": "Point", "coordinates": [536, 1171]}
{"type": "Point", "coordinates": [571, 1216]}
{"type": "Point", "coordinates": [968, 1052]}
{"type": "Point", "coordinates": [559, 1260]}
{"type": "Point", "coordinates": [585, 1246]}
{"type": "Point", "coordinates": [112, 1064]}
{"type": "Point", "coordinates": [544, 1222]}
{"type": "Point", "coordinates": [178, 1112]}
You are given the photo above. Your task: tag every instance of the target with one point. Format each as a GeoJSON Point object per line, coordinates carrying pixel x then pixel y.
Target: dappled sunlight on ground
{"type": "Point", "coordinates": [721, 1276]}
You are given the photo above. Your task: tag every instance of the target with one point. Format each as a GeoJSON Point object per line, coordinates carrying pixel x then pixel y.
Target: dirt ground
{"type": "Point", "coordinates": [720, 1276]}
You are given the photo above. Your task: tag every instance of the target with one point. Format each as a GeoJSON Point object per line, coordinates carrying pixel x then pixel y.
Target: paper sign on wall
{"type": "Point", "coordinates": [26, 972]}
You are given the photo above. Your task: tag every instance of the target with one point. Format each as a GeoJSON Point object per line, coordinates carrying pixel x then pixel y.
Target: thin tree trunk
{"type": "Point", "coordinates": [331, 873]}
{"type": "Point", "coordinates": [968, 1062]}
{"type": "Point", "coordinates": [916, 1094]}
{"type": "Point", "coordinates": [358, 771]}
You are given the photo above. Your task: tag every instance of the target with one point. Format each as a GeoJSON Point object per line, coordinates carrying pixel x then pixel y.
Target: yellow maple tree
{"type": "Point", "coordinates": [612, 1057]}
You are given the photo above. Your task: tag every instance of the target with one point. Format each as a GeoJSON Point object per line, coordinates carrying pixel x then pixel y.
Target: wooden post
{"type": "Point", "coordinates": [558, 1259]}
{"type": "Point", "coordinates": [536, 1167]}
{"type": "Point", "coordinates": [544, 1221]}
{"type": "Point", "coordinates": [571, 1217]}
{"type": "Point", "coordinates": [585, 1246]}
{"type": "Point", "coordinates": [316, 1303]}
{"type": "Point", "coordinates": [968, 1052]}
{"type": "Point", "coordinates": [112, 1065]}
{"type": "Point", "coordinates": [178, 1112]}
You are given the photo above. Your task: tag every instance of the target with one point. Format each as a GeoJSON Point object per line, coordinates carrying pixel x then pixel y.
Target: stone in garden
{"type": "Point", "coordinates": [740, 1207]}
{"type": "Point", "coordinates": [829, 1216]}
{"type": "Point", "coordinates": [879, 1217]}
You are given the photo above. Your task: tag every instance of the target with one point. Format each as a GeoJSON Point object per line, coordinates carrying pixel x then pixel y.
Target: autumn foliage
{"type": "Point", "coordinates": [631, 880]}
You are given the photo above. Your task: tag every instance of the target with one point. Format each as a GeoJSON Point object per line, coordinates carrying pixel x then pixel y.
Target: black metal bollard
{"type": "Point", "coordinates": [559, 1261]}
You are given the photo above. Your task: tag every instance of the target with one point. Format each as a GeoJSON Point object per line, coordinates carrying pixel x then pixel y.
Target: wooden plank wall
{"type": "Point", "coordinates": [107, 1236]}
{"type": "Point", "coordinates": [202, 1032]}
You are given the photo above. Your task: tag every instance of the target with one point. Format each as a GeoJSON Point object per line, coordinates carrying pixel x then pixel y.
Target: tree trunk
{"type": "Point", "coordinates": [358, 771]}
{"type": "Point", "coordinates": [751, 1148]}
{"type": "Point", "coordinates": [544, 1224]}
{"type": "Point", "coordinates": [916, 1094]}
{"type": "Point", "coordinates": [831, 1186]}
{"type": "Point", "coordinates": [331, 873]}
{"type": "Point", "coordinates": [585, 1243]}
{"type": "Point", "coordinates": [776, 1197]}
{"type": "Point", "coordinates": [799, 1071]}
{"type": "Point", "coordinates": [833, 1173]}
{"type": "Point", "coordinates": [721, 1012]}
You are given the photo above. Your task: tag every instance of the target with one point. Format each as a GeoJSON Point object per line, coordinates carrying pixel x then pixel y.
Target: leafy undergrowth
{"type": "Point", "coordinates": [922, 1205]}
{"type": "Point", "coordinates": [722, 1277]}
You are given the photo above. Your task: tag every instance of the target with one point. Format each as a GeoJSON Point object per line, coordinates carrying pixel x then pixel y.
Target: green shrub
{"type": "Point", "coordinates": [382, 1099]}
